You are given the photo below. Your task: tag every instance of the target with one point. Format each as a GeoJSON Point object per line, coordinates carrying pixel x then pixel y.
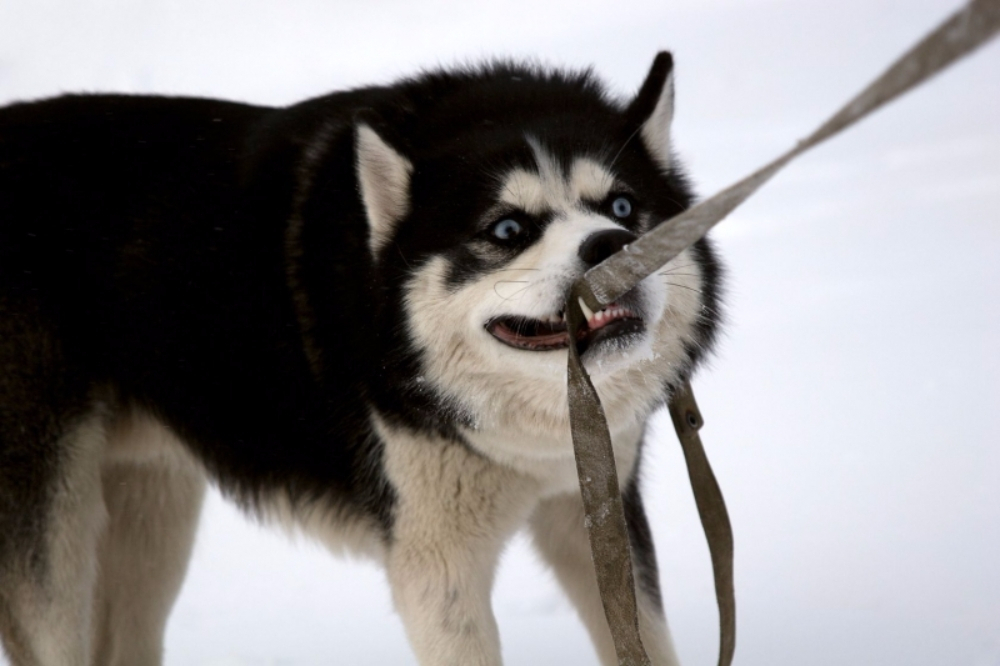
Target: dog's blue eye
{"type": "Point", "coordinates": [621, 207]}
{"type": "Point", "coordinates": [507, 229]}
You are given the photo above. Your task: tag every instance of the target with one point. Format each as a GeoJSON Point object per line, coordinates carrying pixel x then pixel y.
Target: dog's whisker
{"type": "Point", "coordinates": [624, 145]}
{"type": "Point", "coordinates": [496, 286]}
{"type": "Point", "coordinates": [683, 286]}
{"type": "Point", "coordinates": [678, 268]}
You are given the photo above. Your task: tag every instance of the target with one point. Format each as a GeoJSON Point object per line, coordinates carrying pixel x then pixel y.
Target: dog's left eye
{"type": "Point", "coordinates": [507, 229]}
{"type": "Point", "coordinates": [621, 207]}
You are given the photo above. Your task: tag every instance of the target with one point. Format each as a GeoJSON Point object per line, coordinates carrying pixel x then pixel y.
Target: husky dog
{"type": "Point", "coordinates": [347, 314]}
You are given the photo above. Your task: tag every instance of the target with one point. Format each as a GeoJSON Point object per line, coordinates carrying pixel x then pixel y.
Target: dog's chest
{"type": "Point", "coordinates": [549, 459]}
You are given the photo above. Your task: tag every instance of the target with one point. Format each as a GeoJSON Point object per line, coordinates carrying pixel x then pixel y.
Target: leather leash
{"type": "Point", "coordinates": [959, 35]}
{"type": "Point", "coordinates": [712, 511]}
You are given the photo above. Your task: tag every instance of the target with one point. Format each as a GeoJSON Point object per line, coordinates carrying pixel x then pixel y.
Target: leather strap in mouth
{"type": "Point", "coordinates": [966, 30]}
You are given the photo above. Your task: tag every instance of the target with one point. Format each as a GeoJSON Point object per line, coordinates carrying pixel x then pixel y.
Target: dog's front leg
{"type": "Point", "coordinates": [442, 591]}
{"type": "Point", "coordinates": [454, 510]}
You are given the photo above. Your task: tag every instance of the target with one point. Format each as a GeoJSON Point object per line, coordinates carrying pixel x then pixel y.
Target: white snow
{"type": "Point", "coordinates": [853, 411]}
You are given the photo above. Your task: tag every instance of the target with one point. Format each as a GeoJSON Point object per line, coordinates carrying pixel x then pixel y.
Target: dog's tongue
{"type": "Point", "coordinates": [540, 336]}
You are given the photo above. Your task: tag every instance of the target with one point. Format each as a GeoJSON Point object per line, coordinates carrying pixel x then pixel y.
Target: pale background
{"type": "Point", "coordinates": [854, 405]}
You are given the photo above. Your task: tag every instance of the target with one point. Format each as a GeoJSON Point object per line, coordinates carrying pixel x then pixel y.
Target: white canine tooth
{"type": "Point", "coordinates": [587, 312]}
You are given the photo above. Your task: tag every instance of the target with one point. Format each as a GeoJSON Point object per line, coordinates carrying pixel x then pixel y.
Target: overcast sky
{"type": "Point", "coordinates": [853, 408]}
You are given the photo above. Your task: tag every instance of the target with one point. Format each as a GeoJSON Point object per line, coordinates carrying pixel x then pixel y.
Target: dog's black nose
{"type": "Point", "coordinates": [603, 244]}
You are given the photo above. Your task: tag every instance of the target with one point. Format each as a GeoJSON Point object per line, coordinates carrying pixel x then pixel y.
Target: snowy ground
{"type": "Point", "coordinates": [854, 406]}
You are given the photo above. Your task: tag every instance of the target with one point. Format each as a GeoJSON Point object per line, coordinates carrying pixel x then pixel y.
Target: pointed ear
{"type": "Point", "coordinates": [652, 110]}
{"type": "Point", "coordinates": [384, 182]}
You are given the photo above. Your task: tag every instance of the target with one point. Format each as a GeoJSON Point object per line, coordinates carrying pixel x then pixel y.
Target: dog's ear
{"type": "Point", "coordinates": [652, 110]}
{"type": "Point", "coordinates": [383, 180]}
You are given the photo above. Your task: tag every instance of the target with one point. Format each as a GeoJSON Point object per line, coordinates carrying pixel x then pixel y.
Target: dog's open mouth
{"type": "Point", "coordinates": [550, 333]}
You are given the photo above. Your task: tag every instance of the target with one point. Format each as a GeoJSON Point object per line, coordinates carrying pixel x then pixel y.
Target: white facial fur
{"type": "Point", "coordinates": [517, 399]}
{"type": "Point", "coordinates": [550, 189]}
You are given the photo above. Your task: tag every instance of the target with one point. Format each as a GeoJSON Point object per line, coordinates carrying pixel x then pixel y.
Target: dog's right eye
{"type": "Point", "coordinates": [507, 229]}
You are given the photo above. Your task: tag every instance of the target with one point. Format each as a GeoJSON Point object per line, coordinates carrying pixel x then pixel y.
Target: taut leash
{"type": "Point", "coordinates": [959, 35]}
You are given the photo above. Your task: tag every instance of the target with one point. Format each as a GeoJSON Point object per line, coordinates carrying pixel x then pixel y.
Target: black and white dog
{"type": "Point", "coordinates": [345, 313]}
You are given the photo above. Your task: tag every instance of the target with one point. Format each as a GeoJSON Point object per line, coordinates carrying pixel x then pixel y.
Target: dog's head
{"type": "Point", "coordinates": [486, 194]}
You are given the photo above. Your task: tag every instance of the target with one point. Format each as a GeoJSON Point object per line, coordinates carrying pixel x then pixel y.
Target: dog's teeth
{"type": "Point", "coordinates": [587, 312]}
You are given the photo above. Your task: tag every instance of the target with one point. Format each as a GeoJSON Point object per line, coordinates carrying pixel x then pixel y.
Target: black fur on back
{"type": "Point", "coordinates": [147, 256]}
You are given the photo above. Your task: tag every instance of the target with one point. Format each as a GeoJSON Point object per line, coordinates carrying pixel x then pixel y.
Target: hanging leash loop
{"type": "Point", "coordinates": [963, 32]}
{"type": "Point", "coordinates": [712, 511]}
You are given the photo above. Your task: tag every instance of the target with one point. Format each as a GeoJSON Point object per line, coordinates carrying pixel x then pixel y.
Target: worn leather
{"type": "Point", "coordinates": [963, 32]}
